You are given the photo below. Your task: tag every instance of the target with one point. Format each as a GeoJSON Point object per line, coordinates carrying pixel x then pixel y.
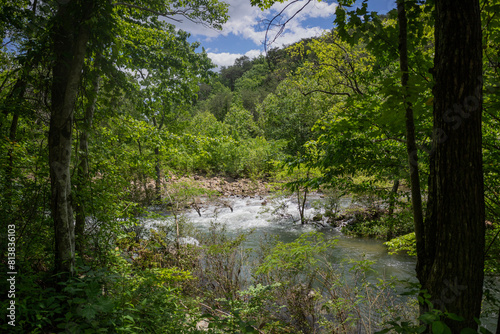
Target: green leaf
{"type": "Point", "coordinates": [89, 312]}
{"type": "Point", "coordinates": [250, 329]}
{"type": "Point", "coordinates": [428, 318]}
{"type": "Point", "coordinates": [421, 329]}
{"type": "Point", "coordinates": [453, 316]}
{"type": "Point", "coordinates": [439, 327]}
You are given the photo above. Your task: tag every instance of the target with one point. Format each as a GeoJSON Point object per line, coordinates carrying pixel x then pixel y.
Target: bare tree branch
{"type": "Point", "coordinates": [282, 25]}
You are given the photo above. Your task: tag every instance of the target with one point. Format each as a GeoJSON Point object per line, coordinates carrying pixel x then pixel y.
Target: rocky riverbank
{"type": "Point", "coordinates": [224, 186]}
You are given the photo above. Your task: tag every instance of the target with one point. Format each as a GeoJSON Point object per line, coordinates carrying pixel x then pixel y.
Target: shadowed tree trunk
{"type": "Point", "coordinates": [451, 251]}
{"type": "Point", "coordinates": [411, 146]}
{"type": "Point", "coordinates": [70, 35]}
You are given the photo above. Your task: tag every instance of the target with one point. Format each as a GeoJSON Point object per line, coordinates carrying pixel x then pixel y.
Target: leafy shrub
{"type": "Point", "coordinates": [242, 123]}
{"type": "Point", "coordinates": [406, 243]}
{"type": "Point", "coordinates": [376, 222]}
{"type": "Point", "coordinates": [122, 300]}
{"type": "Point", "coordinates": [316, 295]}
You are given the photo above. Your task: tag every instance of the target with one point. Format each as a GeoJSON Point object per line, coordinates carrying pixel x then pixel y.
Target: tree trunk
{"type": "Point", "coordinates": [302, 201]}
{"type": "Point", "coordinates": [393, 196]}
{"type": "Point", "coordinates": [450, 259]}
{"type": "Point", "coordinates": [82, 178]}
{"type": "Point", "coordinates": [70, 39]}
{"type": "Point", "coordinates": [411, 146]}
{"type": "Point", "coordinates": [392, 204]}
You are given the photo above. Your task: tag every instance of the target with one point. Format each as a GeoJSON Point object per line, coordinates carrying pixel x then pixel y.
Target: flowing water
{"type": "Point", "coordinates": [255, 214]}
{"type": "Point", "coordinates": [259, 216]}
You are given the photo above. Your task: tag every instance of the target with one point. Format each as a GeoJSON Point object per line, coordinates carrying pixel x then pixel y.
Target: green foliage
{"type": "Point", "coordinates": [224, 260]}
{"type": "Point", "coordinates": [491, 133]}
{"type": "Point", "coordinates": [288, 115]}
{"type": "Point", "coordinates": [433, 320]}
{"type": "Point", "coordinates": [104, 301]}
{"type": "Point", "coordinates": [331, 105]}
{"type": "Point", "coordinates": [378, 223]}
{"type": "Point", "coordinates": [405, 243]}
{"type": "Point", "coordinates": [206, 123]}
{"type": "Point", "coordinates": [229, 75]}
{"type": "Point", "coordinates": [265, 4]}
{"type": "Point", "coordinates": [226, 147]}
{"type": "Point", "coordinates": [247, 311]}
{"type": "Point", "coordinates": [297, 256]}
{"type": "Point", "coordinates": [337, 297]}
{"type": "Point", "coordinates": [218, 102]}
{"type": "Point", "coordinates": [242, 123]}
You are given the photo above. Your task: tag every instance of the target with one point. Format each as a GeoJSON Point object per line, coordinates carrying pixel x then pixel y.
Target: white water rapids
{"type": "Point", "coordinates": [246, 214]}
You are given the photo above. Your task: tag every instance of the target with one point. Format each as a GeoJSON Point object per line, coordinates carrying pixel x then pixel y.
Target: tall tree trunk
{"type": "Point", "coordinates": [392, 203]}
{"type": "Point", "coordinates": [70, 39]}
{"type": "Point", "coordinates": [450, 259]}
{"type": "Point", "coordinates": [82, 178]}
{"type": "Point", "coordinates": [302, 201]}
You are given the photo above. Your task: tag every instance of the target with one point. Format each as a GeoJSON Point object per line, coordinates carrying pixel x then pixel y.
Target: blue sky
{"type": "Point", "coordinates": [244, 33]}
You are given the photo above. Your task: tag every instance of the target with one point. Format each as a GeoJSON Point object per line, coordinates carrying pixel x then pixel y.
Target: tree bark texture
{"type": "Point", "coordinates": [70, 36]}
{"type": "Point", "coordinates": [451, 256]}
{"type": "Point", "coordinates": [411, 146]}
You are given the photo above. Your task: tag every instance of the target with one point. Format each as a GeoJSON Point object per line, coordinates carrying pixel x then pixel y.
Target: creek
{"type": "Point", "coordinates": [259, 216]}
{"type": "Point", "coordinates": [245, 214]}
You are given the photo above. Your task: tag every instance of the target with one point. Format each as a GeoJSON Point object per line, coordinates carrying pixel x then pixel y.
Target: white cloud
{"type": "Point", "coordinates": [227, 59]}
{"type": "Point", "coordinates": [246, 22]}
{"type": "Point", "coordinates": [296, 29]}
{"type": "Point", "coordinates": [253, 53]}
{"type": "Point", "coordinates": [242, 19]}
{"type": "Point", "coordinates": [312, 10]}
{"type": "Point", "coordinates": [223, 58]}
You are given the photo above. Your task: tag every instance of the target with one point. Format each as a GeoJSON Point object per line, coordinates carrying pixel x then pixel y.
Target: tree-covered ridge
{"type": "Point", "coordinates": [104, 103]}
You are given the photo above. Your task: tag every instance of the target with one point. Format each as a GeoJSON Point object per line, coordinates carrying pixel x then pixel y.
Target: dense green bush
{"type": "Point", "coordinates": [226, 155]}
